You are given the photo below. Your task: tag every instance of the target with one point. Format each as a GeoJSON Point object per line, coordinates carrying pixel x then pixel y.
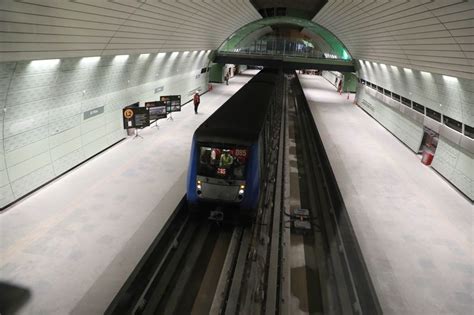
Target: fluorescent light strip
{"type": "Point", "coordinates": [45, 62]}
{"type": "Point", "coordinates": [449, 78]}
{"type": "Point", "coordinates": [90, 59]}
{"type": "Point", "coordinates": [121, 57]}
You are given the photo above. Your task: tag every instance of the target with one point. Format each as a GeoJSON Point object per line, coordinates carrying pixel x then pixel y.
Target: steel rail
{"type": "Point", "coordinates": [223, 285]}
{"type": "Point", "coordinates": [274, 275]}
{"type": "Point", "coordinates": [131, 295]}
{"type": "Point", "coordinates": [319, 206]}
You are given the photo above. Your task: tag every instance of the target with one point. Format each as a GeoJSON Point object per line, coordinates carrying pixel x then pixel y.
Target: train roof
{"type": "Point", "coordinates": [240, 119]}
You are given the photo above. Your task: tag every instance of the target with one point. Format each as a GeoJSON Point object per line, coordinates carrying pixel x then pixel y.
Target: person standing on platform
{"type": "Point", "coordinates": [196, 100]}
{"type": "Point", "coordinates": [226, 78]}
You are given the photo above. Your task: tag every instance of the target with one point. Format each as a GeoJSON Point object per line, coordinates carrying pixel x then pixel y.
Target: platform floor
{"type": "Point", "coordinates": [415, 230]}
{"type": "Point", "coordinates": [73, 243]}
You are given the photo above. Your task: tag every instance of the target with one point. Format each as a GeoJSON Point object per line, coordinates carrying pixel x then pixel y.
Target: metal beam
{"type": "Point", "coordinates": [286, 62]}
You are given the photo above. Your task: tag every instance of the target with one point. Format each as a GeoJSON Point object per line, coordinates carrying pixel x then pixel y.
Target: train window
{"type": "Point", "coordinates": [380, 89]}
{"type": "Point", "coordinates": [433, 114]}
{"type": "Point", "coordinates": [406, 101]}
{"type": "Point", "coordinates": [387, 92]}
{"type": "Point", "coordinates": [222, 162]}
{"type": "Point", "coordinates": [362, 81]}
{"type": "Point", "coordinates": [452, 123]}
{"type": "Point", "coordinates": [203, 70]}
{"type": "Point", "coordinates": [396, 97]}
{"type": "Point", "coordinates": [469, 131]}
{"type": "Point", "coordinates": [419, 108]}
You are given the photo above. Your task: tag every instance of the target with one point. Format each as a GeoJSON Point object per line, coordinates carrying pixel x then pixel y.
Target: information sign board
{"type": "Point", "coordinates": [172, 102]}
{"type": "Point", "coordinates": [135, 117]}
{"type": "Point", "coordinates": [157, 109]}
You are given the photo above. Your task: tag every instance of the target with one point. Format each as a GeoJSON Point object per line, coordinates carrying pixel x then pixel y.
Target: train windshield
{"type": "Point", "coordinates": [226, 163]}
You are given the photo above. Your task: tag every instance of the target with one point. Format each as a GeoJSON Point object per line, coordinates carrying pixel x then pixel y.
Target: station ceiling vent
{"type": "Point", "coordinates": [305, 9]}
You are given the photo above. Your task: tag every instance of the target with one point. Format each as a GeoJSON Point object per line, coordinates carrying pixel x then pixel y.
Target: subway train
{"type": "Point", "coordinates": [229, 151]}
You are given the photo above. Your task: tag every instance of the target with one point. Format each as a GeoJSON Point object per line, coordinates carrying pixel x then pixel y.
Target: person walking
{"type": "Point", "coordinates": [196, 100]}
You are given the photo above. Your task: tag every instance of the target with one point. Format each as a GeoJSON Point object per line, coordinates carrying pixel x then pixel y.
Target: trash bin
{"type": "Point", "coordinates": [427, 157]}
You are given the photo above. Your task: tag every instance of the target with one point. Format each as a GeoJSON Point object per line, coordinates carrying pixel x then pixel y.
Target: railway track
{"type": "Point", "coordinates": [200, 266]}
{"type": "Point", "coordinates": [207, 267]}
{"type": "Point", "coordinates": [343, 282]}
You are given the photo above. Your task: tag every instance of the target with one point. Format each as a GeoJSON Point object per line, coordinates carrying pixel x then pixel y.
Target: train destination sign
{"type": "Point", "coordinates": [173, 103]}
{"type": "Point", "coordinates": [157, 109]}
{"type": "Point", "coordinates": [135, 117]}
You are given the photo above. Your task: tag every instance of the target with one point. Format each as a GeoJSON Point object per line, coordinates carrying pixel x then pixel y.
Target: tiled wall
{"type": "Point", "coordinates": [57, 113]}
{"type": "Point", "coordinates": [405, 127]}
{"type": "Point", "coordinates": [456, 164]}
{"type": "Point", "coordinates": [450, 96]}
{"type": "Point", "coordinates": [455, 153]}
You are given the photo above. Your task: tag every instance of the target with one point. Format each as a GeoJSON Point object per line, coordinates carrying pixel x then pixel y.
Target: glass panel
{"type": "Point", "coordinates": [222, 162]}
{"type": "Point", "coordinates": [452, 123]}
{"type": "Point", "coordinates": [469, 131]}
{"type": "Point", "coordinates": [433, 114]}
{"type": "Point", "coordinates": [406, 101]}
{"type": "Point", "coordinates": [419, 108]}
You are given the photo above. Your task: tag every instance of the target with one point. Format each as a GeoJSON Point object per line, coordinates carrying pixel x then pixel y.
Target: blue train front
{"type": "Point", "coordinates": [224, 174]}
{"type": "Point", "coordinates": [229, 150]}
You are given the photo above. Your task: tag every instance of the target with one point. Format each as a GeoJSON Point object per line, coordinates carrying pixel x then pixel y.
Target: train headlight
{"type": "Point", "coordinates": [241, 192]}
{"type": "Point", "coordinates": [198, 187]}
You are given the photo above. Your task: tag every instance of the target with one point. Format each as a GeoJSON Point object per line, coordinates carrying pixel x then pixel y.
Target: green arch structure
{"type": "Point", "coordinates": [320, 33]}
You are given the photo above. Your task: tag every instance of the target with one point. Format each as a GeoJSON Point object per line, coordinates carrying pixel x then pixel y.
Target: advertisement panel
{"type": "Point", "coordinates": [157, 109]}
{"type": "Point", "coordinates": [172, 102]}
{"type": "Point", "coordinates": [135, 117]}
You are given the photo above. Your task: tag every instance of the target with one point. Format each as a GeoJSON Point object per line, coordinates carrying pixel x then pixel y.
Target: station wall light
{"type": "Point", "coordinates": [45, 62]}
{"type": "Point", "coordinates": [121, 57]}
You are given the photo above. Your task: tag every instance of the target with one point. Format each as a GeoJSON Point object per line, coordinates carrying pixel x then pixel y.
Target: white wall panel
{"type": "Point", "coordinates": [45, 131]}
{"type": "Point", "coordinates": [443, 30]}
{"type": "Point", "coordinates": [456, 95]}
{"type": "Point", "coordinates": [451, 160]}
{"type": "Point", "coordinates": [456, 165]}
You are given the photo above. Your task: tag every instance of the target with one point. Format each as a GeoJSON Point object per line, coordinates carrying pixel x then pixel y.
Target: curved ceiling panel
{"type": "Point", "coordinates": [324, 37]}
{"type": "Point", "coordinates": [42, 29]}
{"type": "Point", "coordinates": [435, 36]}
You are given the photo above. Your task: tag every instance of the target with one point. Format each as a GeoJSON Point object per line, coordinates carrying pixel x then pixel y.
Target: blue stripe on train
{"type": "Point", "coordinates": [191, 195]}
{"type": "Point", "coordinates": [250, 199]}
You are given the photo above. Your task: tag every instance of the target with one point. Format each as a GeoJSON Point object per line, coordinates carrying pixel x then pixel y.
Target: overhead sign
{"type": "Point", "coordinates": [172, 102]}
{"type": "Point", "coordinates": [157, 109]}
{"type": "Point", "coordinates": [135, 117]}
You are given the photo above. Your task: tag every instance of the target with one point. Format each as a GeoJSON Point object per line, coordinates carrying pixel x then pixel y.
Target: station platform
{"type": "Point", "coordinates": [415, 230]}
{"type": "Point", "coordinates": [72, 244]}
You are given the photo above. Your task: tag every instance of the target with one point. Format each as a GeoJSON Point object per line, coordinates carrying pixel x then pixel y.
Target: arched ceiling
{"type": "Point", "coordinates": [42, 29]}
{"type": "Point", "coordinates": [434, 36]}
